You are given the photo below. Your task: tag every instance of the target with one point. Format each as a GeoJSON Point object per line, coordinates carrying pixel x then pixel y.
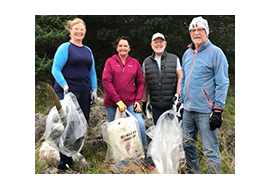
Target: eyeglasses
{"type": "Point", "coordinates": [198, 30]}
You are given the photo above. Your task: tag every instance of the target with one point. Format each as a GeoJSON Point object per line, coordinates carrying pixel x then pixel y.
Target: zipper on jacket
{"type": "Point", "coordinates": [189, 77]}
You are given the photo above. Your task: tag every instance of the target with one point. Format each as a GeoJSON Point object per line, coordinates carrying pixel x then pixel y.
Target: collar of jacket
{"type": "Point", "coordinates": [162, 56]}
{"type": "Point", "coordinates": [117, 58]}
{"type": "Point", "coordinates": [202, 47]}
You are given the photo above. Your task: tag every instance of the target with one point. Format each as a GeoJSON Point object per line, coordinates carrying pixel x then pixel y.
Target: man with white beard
{"type": "Point", "coordinates": [162, 74]}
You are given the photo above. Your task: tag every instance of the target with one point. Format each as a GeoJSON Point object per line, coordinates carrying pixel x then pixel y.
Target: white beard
{"type": "Point", "coordinates": [159, 50]}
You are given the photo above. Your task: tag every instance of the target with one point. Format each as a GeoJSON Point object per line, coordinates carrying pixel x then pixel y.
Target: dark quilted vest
{"type": "Point", "coordinates": [161, 86]}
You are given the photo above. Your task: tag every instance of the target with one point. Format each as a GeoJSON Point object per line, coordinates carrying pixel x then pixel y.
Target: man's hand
{"type": "Point", "coordinates": [180, 110]}
{"type": "Point", "coordinates": [215, 119]}
{"type": "Point", "coordinates": [175, 99]}
{"type": "Point", "coordinates": [145, 107]}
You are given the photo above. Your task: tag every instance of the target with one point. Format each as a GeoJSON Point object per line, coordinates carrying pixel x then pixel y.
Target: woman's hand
{"type": "Point", "coordinates": [65, 88]}
{"type": "Point", "coordinates": [121, 105]}
{"type": "Point", "coordinates": [94, 96]}
{"type": "Point", "coordinates": [137, 107]}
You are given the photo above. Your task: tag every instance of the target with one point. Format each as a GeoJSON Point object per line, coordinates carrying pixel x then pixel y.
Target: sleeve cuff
{"type": "Point", "coordinates": [216, 108]}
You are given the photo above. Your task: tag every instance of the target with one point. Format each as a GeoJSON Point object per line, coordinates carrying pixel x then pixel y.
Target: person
{"type": "Point", "coordinates": [204, 86]}
{"type": "Point", "coordinates": [74, 71]}
{"type": "Point", "coordinates": [123, 84]}
{"type": "Point", "coordinates": [162, 73]}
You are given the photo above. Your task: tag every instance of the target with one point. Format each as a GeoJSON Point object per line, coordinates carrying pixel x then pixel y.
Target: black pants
{"type": "Point", "coordinates": [157, 113]}
{"type": "Point", "coordinates": [84, 102]}
{"type": "Point", "coordinates": [64, 161]}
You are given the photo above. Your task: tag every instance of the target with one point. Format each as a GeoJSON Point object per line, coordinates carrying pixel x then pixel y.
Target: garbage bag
{"type": "Point", "coordinates": [123, 139]}
{"type": "Point", "coordinates": [67, 132]}
{"type": "Point", "coordinates": [166, 146]}
{"type": "Point", "coordinates": [148, 112]}
{"type": "Point", "coordinates": [54, 128]}
{"type": "Point", "coordinates": [46, 151]}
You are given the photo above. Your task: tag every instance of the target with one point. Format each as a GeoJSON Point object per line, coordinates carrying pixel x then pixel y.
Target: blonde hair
{"type": "Point", "coordinates": [71, 23]}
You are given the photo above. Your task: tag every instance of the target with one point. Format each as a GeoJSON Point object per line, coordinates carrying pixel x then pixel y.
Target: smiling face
{"type": "Point", "coordinates": [158, 45]}
{"type": "Point", "coordinates": [198, 36]}
{"type": "Point", "coordinates": [77, 32]}
{"type": "Point", "coordinates": [123, 47]}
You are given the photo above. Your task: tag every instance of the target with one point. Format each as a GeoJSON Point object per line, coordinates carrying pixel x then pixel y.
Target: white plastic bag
{"type": "Point", "coordinates": [54, 127]}
{"type": "Point", "coordinates": [123, 139]}
{"type": "Point", "coordinates": [67, 132]}
{"type": "Point", "coordinates": [46, 151]}
{"type": "Point", "coordinates": [148, 113]}
{"type": "Point", "coordinates": [166, 146]}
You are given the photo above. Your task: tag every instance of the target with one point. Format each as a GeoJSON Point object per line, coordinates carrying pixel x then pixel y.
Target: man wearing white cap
{"type": "Point", "coordinates": [162, 73]}
{"type": "Point", "coordinates": [204, 86]}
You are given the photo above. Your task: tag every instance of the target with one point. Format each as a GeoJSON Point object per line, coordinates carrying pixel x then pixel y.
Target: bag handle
{"type": "Point", "coordinates": [128, 113]}
{"type": "Point", "coordinates": [123, 114]}
{"type": "Point", "coordinates": [119, 114]}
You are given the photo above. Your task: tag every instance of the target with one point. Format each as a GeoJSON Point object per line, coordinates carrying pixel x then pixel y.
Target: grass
{"type": "Point", "coordinates": [41, 166]}
{"type": "Point", "coordinates": [226, 138]}
{"type": "Point", "coordinates": [43, 99]}
{"type": "Point", "coordinates": [95, 153]}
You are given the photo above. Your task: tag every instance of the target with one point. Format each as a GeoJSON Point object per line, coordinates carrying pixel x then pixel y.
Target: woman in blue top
{"type": "Point", "coordinates": [74, 70]}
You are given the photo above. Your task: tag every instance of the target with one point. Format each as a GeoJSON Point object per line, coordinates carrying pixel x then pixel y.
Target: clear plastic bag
{"type": "Point", "coordinates": [148, 112]}
{"type": "Point", "coordinates": [166, 146]}
{"type": "Point", "coordinates": [54, 128]}
{"type": "Point", "coordinates": [123, 139]}
{"type": "Point", "coordinates": [67, 129]}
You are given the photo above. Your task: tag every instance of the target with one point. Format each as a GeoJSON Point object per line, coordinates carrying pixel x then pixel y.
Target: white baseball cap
{"type": "Point", "coordinates": [199, 22]}
{"type": "Point", "coordinates": [157, 35]}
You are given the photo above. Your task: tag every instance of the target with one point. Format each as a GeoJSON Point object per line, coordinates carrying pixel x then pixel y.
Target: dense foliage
{"type": "Point", "coordinates": [102, 30]}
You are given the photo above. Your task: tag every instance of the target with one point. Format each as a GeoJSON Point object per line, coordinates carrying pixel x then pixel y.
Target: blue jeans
{"type": "Point", "coordinates": [111, 114]}
{"type": "Point", "coordinates": [192, 123]}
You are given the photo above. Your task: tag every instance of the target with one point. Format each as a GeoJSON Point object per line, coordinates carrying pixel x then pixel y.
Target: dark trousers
{"type": "Point", "coordinates": [157, 112]}
{"type": "Point", "coordinates": [84, 102]}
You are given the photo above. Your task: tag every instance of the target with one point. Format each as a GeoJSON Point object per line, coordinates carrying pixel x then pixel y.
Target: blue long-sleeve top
{"type": "Point", "coordinates": [75, 66]}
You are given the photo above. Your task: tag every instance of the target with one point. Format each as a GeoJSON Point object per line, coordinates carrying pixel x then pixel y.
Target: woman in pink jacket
{"type": "Point", "coordinates": [123, 84]}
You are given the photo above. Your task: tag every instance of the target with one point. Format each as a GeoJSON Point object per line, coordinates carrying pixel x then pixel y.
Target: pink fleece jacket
{"type": "Point", "coordinates": [122, 82]}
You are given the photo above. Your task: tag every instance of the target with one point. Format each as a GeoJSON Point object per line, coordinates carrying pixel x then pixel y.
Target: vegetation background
{"type": "Point", "coordinates": [102, 30]}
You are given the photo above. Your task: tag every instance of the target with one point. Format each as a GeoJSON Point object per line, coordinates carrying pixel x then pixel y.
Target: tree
{"type": "Point", "coordinates": [49, 34]}
{"type": "Point", "coordinates": [102, 30]}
